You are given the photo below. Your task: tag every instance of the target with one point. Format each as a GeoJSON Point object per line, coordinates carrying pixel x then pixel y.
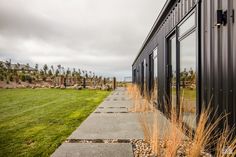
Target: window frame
{"type": "Point", "coordinates": [170, 35]}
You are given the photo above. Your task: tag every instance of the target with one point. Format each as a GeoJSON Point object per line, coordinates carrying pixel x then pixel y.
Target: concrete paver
{"type": "Point", "coordinates": [109, 126]}
{"type": "Point", "coordinates": [94, 150]}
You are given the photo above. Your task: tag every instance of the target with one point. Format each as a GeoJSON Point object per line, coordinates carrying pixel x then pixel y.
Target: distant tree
{"type": "Point", "coordinates": [18, 65]}
{"type": "Point", "coordinates": [2, 71]}
{"type": "Point", "coordinates": [59, 68]}
{"type": "Point", "coordinates": [37, 77]}
{"type": "Point", "coordinates": [41, 73]}
{"type": "Point", "coordinates": [45, 68]}
{"type": "Point", "coordinates": [63, 70]}
{"type": "Point", "coordinates": [36, 67]}
{"type": "Point", "coordinates": [22, 77]}
{"type": "Point", "coordinates": [57, 72]}
{"type": "Point", "coordinates": [50, 72]}
{"type": "Point", "coordinates": [68, 72]}
{"type": "Point", "coordinates": [8, 65]}
{"type": "Point", "coordinates": [15, 75]}
{"type": "Point", "coordinates": [52, 69]}
{"type": "Point", "coordinates": [23, 70]}
{"type": "Point", "coordinates": [79, 72]}
{"type": "Point", "coordinates": [27, 66]}
{"type": "Point", "coordinates": [83, 73]}
{"type": "Point", "coordinates": [73, 73]}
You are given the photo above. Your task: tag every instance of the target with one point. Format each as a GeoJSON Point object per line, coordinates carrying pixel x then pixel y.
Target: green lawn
{"type": "Point", "coordinates": [188, 93]}
{"type": "Point", "coordinates": [34, 122]}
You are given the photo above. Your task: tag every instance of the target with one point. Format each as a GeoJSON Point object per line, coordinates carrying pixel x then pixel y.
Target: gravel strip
{"type": "Point", "coordinates": [143, 149]}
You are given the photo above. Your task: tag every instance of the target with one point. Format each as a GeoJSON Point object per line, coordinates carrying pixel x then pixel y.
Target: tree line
{"type": "Point", "coordinates": [19, 72]}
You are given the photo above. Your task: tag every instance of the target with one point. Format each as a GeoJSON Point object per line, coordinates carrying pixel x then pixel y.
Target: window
{"type": "Point", "coordinates": [187, 70]}
{"type": "Point", "coordinates": [145, 75]}
{"type": "Point", "coordinates": [182, 65]}
{"type": "Point", "coordinates": [173, 78]}
{"type": "Point", "coordinates": [187, 25]}
{"type": "Point", "coordinates": [155, 75]}
{"type": "Point", "coordinates": [188, 78]}
{"type": "Point", "coordinates": [142, 78]}
{"type": "Point", "coordinates": [155, 62]}
{"type": "Point", "coordinates": [139, 74]}
{"type": "Point", "coordinates": [134, 76]}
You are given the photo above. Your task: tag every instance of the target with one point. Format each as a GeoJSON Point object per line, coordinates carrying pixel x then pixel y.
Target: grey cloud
{"type": "Point", "coordinates": [102, 36]}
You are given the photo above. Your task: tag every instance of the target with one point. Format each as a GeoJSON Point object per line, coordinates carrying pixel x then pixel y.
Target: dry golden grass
{"type": "Point", "coordinates": [226, 144]}
{"type": "Point", "coordinates": [147, 132]}
{"type": "Point", "coordinates": [206, 135]}
{"type": "Point", "coordinates": [155, 135]}
{"type": "Point", "coordinates": [151, 130]}
{"type": "Point", "coordinates": [141, 103]}
{"type": "Point", "coordinates": [174, 136]}
{"type": "Point", "coordinates": [202, 137]}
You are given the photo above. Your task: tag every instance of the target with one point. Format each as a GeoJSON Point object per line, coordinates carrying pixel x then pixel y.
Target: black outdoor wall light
{"type": "Point", "coordinates": [221, 18]}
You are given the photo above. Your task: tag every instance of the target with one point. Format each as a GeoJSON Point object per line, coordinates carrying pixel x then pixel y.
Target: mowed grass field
{"type": "Point", "coordinates": [34, 122]}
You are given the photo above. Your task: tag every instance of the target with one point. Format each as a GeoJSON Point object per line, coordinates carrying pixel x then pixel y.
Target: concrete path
{"type": "Point", "coordinates": [110, 121]}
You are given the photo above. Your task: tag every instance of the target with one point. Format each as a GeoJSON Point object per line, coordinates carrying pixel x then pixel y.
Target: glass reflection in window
{"type": "Point", "coordinates": [144, 75]}
{"type": "Point", "coordinates": [155, 69]}
{"type": "Point", "coordinates": [188, 78]}
{"type": "Point", "coordinates": [187, 25]}
{"type": "Point", "coordinates": [173, 72]}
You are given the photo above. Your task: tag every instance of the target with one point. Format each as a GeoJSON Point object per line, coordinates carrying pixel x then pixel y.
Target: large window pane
{"type": "Point", "coordinates": [155, 75]}
{"type": "Point", "coordinates": [142, 78]}
{"type": "Point", "coordinates": [145, 75]}
{"type": "Point", "coordinates": [188, 78]}
{"type": "Point", "coordinates": [173, 72]}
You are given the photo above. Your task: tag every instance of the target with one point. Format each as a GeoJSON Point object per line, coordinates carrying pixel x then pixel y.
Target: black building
{"type": "Point", "coordinates": [189, 58]}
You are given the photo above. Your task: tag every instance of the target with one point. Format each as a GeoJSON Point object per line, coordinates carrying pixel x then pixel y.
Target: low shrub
{"type": "Point", "coordinates": [44, 78]}
{"type": "Point", "coordinates": [22, 78]}
{"type": "Point", "coordinates": [11, 78]}
{"type": "Point", "coordinates": [28, 78]}
{"type": "Point", "coordinates": [1, 77]}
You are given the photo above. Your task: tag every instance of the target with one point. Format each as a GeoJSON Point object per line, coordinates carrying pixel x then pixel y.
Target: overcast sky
{"type": "Point", "coordinates": [103, 36]}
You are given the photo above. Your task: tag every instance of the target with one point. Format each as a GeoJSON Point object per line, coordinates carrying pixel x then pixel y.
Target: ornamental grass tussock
{"type": "Point", "coordinates": [205, 140]}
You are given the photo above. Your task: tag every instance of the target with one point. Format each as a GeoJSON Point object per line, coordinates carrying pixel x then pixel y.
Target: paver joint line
{"type": "Point", "coordinates": [99, 140]}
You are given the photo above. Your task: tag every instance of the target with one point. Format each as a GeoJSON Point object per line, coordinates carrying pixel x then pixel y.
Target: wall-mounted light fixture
{"type": "Point", "coordinates": [221, 18]}
{"type": "Point", "coordinates": [232, 16]}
